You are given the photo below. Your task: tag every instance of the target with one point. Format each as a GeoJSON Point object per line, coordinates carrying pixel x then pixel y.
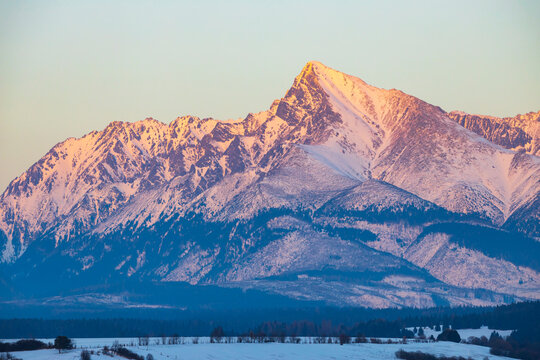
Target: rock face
{"type": "Point", "coordinates": [521, 132]}
{"type": "Point", "coordinates": [340, 192]}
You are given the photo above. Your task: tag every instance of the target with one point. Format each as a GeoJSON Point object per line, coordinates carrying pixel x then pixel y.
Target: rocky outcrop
{"type": "Point", "coordinates": [521, 132]}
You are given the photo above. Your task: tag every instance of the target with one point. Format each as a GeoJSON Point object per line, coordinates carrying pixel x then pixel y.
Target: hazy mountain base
{"type": "Point", "coordinates": [303, 255]}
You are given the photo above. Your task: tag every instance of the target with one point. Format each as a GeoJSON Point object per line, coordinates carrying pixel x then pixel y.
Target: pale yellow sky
{"type": "Point", "coordinates": [70, 67]}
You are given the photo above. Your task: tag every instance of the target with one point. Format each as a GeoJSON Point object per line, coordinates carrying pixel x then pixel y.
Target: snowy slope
{"type": "Point", "coordinates": [280, 351]}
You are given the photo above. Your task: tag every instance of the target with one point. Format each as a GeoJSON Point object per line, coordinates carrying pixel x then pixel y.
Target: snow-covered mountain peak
{"type": "Point", "coordinates": [382, 109]}
{"type": "Point", "coordinates": [353, 128]}
{"type": "Point", "coordinates": [337, 175]}
{"type": "Point", "coordinates": [377, 130]}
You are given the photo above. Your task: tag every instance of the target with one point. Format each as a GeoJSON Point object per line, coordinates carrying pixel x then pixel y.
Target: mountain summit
{"type": "Point", "coordinates": [340, 192]}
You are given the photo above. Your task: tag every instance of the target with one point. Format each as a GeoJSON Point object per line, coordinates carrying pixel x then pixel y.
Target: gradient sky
{"type": "Point", "coordinates": [70, 67]}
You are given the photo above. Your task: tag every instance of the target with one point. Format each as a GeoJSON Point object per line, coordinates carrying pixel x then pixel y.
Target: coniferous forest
{"type": "Point", "coordinates": [326, 321]}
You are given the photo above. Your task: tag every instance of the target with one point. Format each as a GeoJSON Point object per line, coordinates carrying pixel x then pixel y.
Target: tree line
{"type": "Point", "coordinates": [312, 322]}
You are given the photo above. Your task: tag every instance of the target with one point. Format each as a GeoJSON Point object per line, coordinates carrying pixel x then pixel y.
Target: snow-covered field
{"type": "Point", "coordinates": [270, 351]}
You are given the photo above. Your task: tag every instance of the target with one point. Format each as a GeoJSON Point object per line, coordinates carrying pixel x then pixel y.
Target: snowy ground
{"type": "Point", "coordinates": [269, 351]}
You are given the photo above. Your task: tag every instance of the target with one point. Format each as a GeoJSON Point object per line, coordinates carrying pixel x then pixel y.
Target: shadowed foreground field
{"type": "Point", "coordinates": [269, 351]}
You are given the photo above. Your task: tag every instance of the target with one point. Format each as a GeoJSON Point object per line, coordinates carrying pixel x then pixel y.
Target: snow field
{"type": "Point", "coordinates": [265, 351]}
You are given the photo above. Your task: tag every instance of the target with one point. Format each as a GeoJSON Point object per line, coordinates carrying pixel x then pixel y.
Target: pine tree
{"type": "Point", "coordinates": [217, 334]}
{"type": "Point", "coordinates": [449, 335]}
{"type": "Point", "coordinates": [63, 343]}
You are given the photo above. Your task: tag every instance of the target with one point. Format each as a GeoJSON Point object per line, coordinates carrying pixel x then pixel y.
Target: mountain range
{"type": "Point", "coordinates": [340, 193]}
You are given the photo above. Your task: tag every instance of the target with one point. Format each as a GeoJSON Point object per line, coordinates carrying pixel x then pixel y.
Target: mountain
{"type": "Point", "coordinates": [341, 193]}
{"type": "Point", "coordinates": [521, 132]}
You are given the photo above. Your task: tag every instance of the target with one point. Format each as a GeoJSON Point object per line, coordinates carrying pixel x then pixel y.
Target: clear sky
{"type": "Point", "coordinates": [70, 67]}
